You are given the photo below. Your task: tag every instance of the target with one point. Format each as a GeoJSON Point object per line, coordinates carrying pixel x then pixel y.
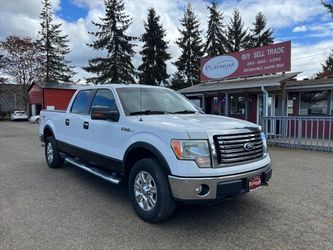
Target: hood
{"type": "Point", "coordinates": [195, 124]}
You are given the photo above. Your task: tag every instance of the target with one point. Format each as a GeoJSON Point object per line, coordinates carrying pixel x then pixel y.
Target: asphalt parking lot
{"type": "Point", "coordinates": [42, 208]}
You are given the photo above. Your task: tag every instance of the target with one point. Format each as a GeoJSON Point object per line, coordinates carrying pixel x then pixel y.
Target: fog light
{"type": "Point", "coordinates": [198, 189]}
{"type": "Point", "coordinates": [202, 189]}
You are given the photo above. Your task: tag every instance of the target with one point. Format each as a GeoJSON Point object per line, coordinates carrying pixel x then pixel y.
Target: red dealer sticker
{"type": "Point", "coordinates": [258, 61]}
{"type": "Point", "coordinates": [254, 183]}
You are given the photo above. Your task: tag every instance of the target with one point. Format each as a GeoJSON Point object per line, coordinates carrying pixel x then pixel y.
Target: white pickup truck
{"type": "Point", "coordinates": [159, 143]}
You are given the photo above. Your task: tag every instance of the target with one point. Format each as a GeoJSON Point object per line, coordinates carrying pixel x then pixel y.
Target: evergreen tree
{"type": "Point", "coordinates": [190, 44]}
{"type": "Point", "coordinates": [116, 65]}
{"type": "Point", "coordinates": [236, 38]}
{"type": "Point", "coordinates": [328, 65]}
{"type": "Point", "coordinates": [260, 36]}
{"type": "Point", "coordinates": [54, 47]}
{"type": "Point", "coordinates": [153, 69]}
{"type": "Point", "coordinates": [215, 33]}
{"type": "Point", "coordinates": [178, 81]}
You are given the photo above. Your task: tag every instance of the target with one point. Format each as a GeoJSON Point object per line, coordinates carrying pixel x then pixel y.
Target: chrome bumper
{"type": "Point", "coordinates": [183, 188]}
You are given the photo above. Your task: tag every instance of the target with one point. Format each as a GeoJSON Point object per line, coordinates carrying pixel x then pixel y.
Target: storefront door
{"type": "Point", "coordinates": [237, 106]}
{"type": "Point", "coordinates": [252, 108]}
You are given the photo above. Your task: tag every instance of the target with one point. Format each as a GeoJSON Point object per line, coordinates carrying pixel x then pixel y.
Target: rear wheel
{"type": "Point", "coordinates": [37, 120]}
{"type": "Point", "coordinates": [149, 191]}
{"type": "Point", "coordinates": [52, 156]}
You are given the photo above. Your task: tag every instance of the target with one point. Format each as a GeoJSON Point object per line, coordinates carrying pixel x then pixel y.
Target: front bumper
{"type": "Point", "coordinates": [183, 188]}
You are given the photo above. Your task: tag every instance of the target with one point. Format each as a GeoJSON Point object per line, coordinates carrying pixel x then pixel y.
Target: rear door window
{"type": "Point", "coordinates": [81, 102]}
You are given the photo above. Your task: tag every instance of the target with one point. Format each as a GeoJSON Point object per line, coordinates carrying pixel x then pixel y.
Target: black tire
{"type": "Point", "coordinates": [37, 120]}
{"type": "Point", "coordinates": [165, 204]}
{"type": "Point", "coordinates": [54, 161]}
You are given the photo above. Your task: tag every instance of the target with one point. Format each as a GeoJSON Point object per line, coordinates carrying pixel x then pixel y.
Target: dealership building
{"type": "Point", "coordinates": [257, 83]}
{"type": "Point", "coordinates": [269, 95]}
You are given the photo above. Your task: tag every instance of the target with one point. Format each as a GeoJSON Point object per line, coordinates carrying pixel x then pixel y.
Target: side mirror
{"type": "Point", "coordinates": [104, 113]}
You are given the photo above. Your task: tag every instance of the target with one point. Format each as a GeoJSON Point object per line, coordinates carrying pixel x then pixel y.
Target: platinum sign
{"type": "Point", "coordinates": [220, 67]}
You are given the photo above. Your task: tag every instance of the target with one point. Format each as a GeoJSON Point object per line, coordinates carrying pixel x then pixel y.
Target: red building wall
{"type": "Point", "coordinates": [59, 98]}
{"type": "Point", "coordinates": [36, 95]}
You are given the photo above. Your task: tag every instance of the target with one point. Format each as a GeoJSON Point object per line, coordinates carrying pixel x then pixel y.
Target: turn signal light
{"type": "Point", "coordinates": [177, 148]}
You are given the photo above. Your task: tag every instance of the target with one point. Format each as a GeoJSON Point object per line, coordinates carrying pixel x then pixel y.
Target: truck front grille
{"type": "Point", "coordinates": [234, 148]}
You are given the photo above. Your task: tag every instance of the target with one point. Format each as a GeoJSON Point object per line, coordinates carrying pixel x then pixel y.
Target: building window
{"type": "Point", "coordinates": [196, 100]}
{"type": "Point", "coordinates": [215, 105]}
{"type": "Point", "coordinates": [237, 104]}
{"type": "Point", "coordinates": [223, 102]}
{"type": "Point", "coordinates": [314, 103]}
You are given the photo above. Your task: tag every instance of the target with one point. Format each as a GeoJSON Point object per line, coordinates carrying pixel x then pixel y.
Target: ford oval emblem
{"type": "Point", "coordinates": [249, 146]}
{"type": "Point", "coordinates": [220, 67]}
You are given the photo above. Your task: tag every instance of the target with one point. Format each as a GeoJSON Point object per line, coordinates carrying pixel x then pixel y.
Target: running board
{"type": "Point", "coordinates": [104, 175]}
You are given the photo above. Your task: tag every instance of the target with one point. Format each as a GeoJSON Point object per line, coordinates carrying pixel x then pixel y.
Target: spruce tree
{"type": "Point", "coordinates": [190, 44]}
{"type": "Point", "coordinates": [54, 47]}
{"type": "Point", "coordinates": [153, 69]}
{"type": "Point", "coordinates": [328, 65]}
{"type": "Point", "coordinates": [215, 39]}
{"type": "Point", "coordinates": [116, 65]}
{"type": "Point", "coordinates": [260, 36]}
{"type": "Point", "coordinates": [236, 38]}
{"type": "Point", "coordinates": [178, 81]}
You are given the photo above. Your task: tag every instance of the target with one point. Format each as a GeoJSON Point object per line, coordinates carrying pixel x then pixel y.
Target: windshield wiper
{"type": "Point", "coordinates": [184, 112]}
{"type": "Point", "coordinates": [148, 112]}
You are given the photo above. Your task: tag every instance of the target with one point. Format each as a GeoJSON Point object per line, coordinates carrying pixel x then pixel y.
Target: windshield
{"type": "Point", "coordinates": [154, 101]}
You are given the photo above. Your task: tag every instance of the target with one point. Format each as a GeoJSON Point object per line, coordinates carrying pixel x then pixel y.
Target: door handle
{"type": "Point", "coordinates": [86, 125]}
{"type": "Point", "coordinates": [67, 122]}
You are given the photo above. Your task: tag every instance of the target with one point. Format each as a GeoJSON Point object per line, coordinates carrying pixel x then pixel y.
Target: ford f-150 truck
{"type": "Point", "coordinates": [155, 140]}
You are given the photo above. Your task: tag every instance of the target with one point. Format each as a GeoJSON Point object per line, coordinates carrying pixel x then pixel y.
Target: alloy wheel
{"type": "Point", "coordinates": [49, 152]}
{"type": "Point", "coordinates": [145, 191]}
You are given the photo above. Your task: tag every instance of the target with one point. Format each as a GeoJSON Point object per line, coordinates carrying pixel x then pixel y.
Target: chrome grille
{"type": "Point", "coordinates": [231, 148]}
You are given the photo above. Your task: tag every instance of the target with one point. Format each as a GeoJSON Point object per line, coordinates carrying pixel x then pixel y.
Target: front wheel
{"type": "Point", "coordinates": [149, 191]}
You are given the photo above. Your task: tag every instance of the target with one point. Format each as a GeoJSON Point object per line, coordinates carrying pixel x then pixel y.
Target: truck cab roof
{"type": "Point", "coordinates": [119, 85]}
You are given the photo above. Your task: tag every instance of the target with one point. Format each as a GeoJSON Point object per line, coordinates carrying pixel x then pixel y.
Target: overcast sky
{"type": "Point", "coordinates": [305, 22]}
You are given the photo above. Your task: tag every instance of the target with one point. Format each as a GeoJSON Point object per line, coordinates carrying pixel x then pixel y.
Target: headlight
{"type": "Point", "coordinates": [196, 150]}
{"type": "Point", "coordinates": [264, 142]}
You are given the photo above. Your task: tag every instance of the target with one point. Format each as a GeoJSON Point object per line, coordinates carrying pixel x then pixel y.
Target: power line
{"type": "Point", "coordinates": [307, 56]}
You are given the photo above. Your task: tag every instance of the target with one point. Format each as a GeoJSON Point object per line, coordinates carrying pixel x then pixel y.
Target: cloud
{"type": "Point", "coordinates": [314, 30]}
{"type": "Point", "coordinates": [283, 13]}
{"type": "Point", "coordinates": [321, 29]}
{"type": "Point", "coordinates": [301, 28]}
{"type": "Point", "coordinates": [21, 17]}
{"type": "Point", "coordinates": [308, 58]}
